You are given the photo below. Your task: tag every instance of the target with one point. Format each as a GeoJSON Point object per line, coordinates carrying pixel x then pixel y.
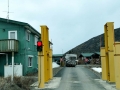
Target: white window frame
{"type": "Point", "coordinates": [11, 42]}
{"type": "Point", "coordinates": [36, 39]}
{"type": "Point", "coordinates": [28, 35]}
{"type": "Point", "coordinates": [30, 56]}
{"type": "Point", "coordinates": [10, 32]}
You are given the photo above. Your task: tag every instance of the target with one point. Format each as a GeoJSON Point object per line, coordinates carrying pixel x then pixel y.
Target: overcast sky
{"type": "Point", "coordinates": [70, 22]}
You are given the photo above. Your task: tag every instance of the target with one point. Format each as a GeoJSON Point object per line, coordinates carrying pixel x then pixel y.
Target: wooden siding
{"type": "Point", "coordinates": [8, 45]}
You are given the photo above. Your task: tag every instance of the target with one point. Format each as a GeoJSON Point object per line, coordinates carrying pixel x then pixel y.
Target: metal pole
{"type": "Point", "coordinates": [41, 70]}
{"type": "Point", "coordinates": [12, 66]}
{"type": "Point", "coordinates": [117, 64]}
{"type": "Point", "coordinates": [50, 64]}
{"type": "Point", "coordinates": [109, 42]}
{"type": "Point", "coordinates": [6, 59]}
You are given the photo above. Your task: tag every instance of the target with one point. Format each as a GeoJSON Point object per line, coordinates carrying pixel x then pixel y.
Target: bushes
{"type": "Point", "coordinates": [20, 83]}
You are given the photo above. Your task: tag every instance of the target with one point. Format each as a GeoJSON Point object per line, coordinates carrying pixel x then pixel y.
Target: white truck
{"type": "Point", "coordinates": [71, 60]}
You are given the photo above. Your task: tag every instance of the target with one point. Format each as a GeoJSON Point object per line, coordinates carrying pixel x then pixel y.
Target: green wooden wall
{"type": "Point", "coordinates": [22, 55]}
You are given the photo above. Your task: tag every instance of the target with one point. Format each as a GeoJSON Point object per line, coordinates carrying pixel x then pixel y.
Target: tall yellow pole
{"type": "Point", "coordinates": [117, 64]}
{"type": "Point", "coordinates": [103, 63]}
{"type": "Point", "coordinates": [41, 63]}
{"type": "Point", "coordinates": [50, 64]}
{"type": "Point", "coordinates": [40, 70]}
{"type": "Point", "coordinates": [44, 39]}
{"type": "Point", "coordinates": [109, 41]}
{"type": "Point", "coordinates": [48, 69]}
{"type": "Point", "coordinates": [44, 62]}
{"type": "Point", "coordinates": [106, 51]}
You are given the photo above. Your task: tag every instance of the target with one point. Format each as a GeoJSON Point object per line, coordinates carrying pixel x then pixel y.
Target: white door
{"type": "Point", "coordinates": [11, 35]}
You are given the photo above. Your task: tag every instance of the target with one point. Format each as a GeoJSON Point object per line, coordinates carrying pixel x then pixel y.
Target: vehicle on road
{"type": "Point", "coordinates": [71, 60]}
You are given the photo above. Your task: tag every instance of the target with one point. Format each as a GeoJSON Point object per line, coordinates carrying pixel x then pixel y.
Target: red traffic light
{"type": "Point", "coordinates": [39, 43]}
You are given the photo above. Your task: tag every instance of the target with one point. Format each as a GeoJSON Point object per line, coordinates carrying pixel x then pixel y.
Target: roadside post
{"type": "Point", "coordinates": [103, 63]}
{"type": "Point", "coordinates": [117, 64]}
{"type": "Point", "coordinates": [50, 64]}
{"type": "Point", "coordinates": [44, 58]}
{"type": "Point", "coordinates": [109, 41]}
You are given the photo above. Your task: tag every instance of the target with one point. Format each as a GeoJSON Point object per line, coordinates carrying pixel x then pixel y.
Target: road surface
{"type": "Point", "coordinates": [78, 78]}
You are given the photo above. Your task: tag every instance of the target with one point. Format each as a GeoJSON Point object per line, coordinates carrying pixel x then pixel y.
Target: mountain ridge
{"type": "Point", "coordinates": [93, 45]}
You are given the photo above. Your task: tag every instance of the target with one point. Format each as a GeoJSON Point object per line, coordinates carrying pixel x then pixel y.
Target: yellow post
{"type": "Point", "coordinates": [44, 62]}
{"type": "Point", "coordinates": [109, 41]}
{"type": "Point", "coordinates": [50, 64]}
{"type": "Point", "coordinates": [41, 62]}
{"type": "Point", "coordinates": [40, 70]}
{"type": "Point", "coordinates": [117, 64]}
{"type": "Point", "coordinates": [44, 38]}
{"type": "Point", "coordinates": [103, 63]}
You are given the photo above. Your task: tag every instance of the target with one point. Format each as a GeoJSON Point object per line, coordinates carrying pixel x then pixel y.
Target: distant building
{"type": "Point", "coordinates": [85, 55]}
{"type": "Point", "coordinates": [93, 57]}
{"type": "Point", "coordinates": [56, 57]}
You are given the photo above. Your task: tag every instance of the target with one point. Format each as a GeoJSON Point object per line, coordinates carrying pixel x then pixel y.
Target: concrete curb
{"type": "Point", "coordinates": [56, 70]}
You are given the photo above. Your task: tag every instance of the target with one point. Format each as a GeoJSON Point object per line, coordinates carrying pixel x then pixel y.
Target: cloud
{"type": "Point", "coordinates": [70, 22]}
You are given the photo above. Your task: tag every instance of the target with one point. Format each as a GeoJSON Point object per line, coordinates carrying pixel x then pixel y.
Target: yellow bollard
{"type": "Point", "coordinates": [103, 63]}
{"type": "Point", "coordinates": [44, 62]}
{"type": "Point", "coordinates": [117, 64]}
{"type": "Point", "coordinates": [50, 64]}
{"type": "Point", "coordinates": [40, 70]}
{"type": "Point", "coordinates": [47, 52]}
{"type": "Point", "coordinates": [109, 41]}
{"type": "Point", "coordinates": [45, 40]}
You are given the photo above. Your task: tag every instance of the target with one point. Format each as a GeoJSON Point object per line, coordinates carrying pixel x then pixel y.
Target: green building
{"type": "Point", "coordinates": [20, 38]}
{"type": "Point", "coordinates": [56, 57]}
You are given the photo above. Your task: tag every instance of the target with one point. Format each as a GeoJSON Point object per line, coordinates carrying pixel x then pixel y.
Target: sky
{"type": "Point", "coordinates": [70, 22]}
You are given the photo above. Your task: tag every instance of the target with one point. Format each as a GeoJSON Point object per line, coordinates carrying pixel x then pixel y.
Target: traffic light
{"type": "Point", "coordinates": [39, 46]}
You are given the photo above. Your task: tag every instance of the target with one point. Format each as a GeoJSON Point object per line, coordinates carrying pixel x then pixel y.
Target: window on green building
{"type": "Point", "coordinates": [30, 61]}
{"type": "Point", "coordinates": [28, 35]}
{"type": "Point", "coordinates": [36, 39]}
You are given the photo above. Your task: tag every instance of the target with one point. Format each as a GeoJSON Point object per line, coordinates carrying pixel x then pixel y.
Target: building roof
{"type": "Point", "coordinates": [97, 53]}
{"type": "Point", "coordinates": [86, 54]}
{"type": "Point", "coordinates": [57, 55]}
{"type": "Point", "coordinates": [26, 25]}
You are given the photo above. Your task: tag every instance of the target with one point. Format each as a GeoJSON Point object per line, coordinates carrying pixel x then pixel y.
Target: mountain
{"type": "Point", "coordinates": [93, 44]}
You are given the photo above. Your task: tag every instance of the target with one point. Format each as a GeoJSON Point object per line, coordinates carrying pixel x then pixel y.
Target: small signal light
{"type": "Point", "coordinates": [39, 46]}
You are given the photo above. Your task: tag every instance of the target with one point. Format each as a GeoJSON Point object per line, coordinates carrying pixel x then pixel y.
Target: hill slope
{"type": "Point", "coordinates": [93, 44]}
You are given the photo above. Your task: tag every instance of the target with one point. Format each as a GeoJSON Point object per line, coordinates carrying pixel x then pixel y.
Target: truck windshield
{"type": "Point", "coordinates": [72, 58]}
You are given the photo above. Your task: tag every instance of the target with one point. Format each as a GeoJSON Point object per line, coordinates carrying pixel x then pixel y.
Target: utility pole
{"type": "Point", "coordinates": [8, 12]}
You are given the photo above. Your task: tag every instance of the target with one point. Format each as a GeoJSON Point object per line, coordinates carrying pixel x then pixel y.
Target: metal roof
{"type": "Point", "coordinates": [58, 55]}
{"type": "Point", "coordinates": [97, 53]}
{"type": "Point", "coordinates": [86, 54]}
